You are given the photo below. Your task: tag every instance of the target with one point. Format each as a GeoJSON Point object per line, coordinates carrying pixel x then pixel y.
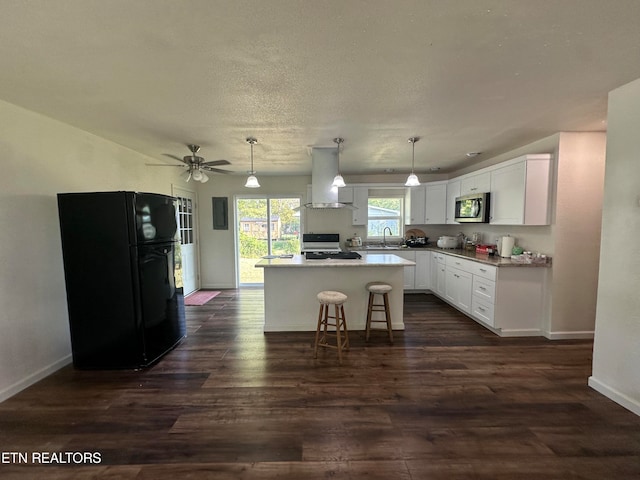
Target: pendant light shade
{"type": "Point", "coordinates": [338, 181]}
{"type": "Point", "coordinates": [252, 180]}
{"type": "Point", "coordinates": [412, 180]}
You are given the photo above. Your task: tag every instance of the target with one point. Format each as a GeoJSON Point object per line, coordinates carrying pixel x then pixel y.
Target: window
{"type": "Point", "coordinates": [385, 211]}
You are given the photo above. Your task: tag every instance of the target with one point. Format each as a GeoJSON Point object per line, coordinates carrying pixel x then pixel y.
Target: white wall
{"type": "Point", "coordinates": [578, 206]}
{"type": "Point", "coordinates": [616, 356]}
{"type": "Point", "coordinates": [40, 157]}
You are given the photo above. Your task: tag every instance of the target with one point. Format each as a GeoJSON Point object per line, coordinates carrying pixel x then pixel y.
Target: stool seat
{"type": "Point", "coordinates": [382, 289]}
{"type": "Point", "coordinates": [379, 287]}
{"type": "Point", "coordinates": [330, 297]}
{"type": "Point", "coordinates": [328, 329]}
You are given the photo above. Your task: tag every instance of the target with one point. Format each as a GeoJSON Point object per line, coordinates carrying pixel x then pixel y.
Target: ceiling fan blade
{"type": "Point", "coordinates": [214, 163]}
{"type": "Point", "coordinates": [211, 169]}
{"type": "Point", "coordinates": [174, 157]}
{"type": "Point", "coordinates": [163, 165]}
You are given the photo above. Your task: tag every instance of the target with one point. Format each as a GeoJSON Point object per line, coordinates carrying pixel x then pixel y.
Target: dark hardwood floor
{"type": "Point", "coordinates": [449, 400]}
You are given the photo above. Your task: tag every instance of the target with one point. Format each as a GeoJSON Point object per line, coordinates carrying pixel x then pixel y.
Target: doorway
{"type": "Point", "coordinates": [187, 259]}
{"type": "Point", "coordinates": [265, 225]}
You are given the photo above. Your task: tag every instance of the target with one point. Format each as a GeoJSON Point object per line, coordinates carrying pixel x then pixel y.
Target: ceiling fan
{"type": "Point", "coordinates": [196, 166]}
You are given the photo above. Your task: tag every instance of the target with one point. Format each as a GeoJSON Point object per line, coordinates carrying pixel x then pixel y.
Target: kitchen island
{"type": "Point", "coordinates": [291, 286]}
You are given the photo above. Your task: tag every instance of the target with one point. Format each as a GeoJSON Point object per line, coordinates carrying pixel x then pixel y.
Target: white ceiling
{"type": "Point", "coordinates": [464, 75]}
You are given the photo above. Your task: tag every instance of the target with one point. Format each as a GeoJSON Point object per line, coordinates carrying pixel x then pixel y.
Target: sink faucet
{"type": "Point", "coordinates": [384, 235]}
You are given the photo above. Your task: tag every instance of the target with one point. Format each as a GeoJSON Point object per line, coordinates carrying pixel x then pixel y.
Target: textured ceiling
{"type": "Point", "coordinates": [464, 75]}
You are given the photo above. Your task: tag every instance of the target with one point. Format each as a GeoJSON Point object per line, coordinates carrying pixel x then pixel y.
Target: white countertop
{"type": "Point", "coordinates": [367, 260]}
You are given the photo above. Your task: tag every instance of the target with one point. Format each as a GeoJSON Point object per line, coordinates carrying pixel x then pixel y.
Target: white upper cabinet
{"type": "Point", "coordinates": [475, 183]}
{"type": "Point", "coordinates": [414, 205]}
{"type": "Point", "coordinates": [520, 190]}
{"type": "Point", "coordinates": [435, 203]}
{"type": "Point", "coordinates": [360, 213]}
{"type": "Point", "coordinates": [453, 192]}
{"type": "Point", "coordinates": [345, 195]}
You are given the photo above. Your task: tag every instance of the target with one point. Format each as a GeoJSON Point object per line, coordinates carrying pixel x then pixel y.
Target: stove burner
{"type": "Point", "coordinates": [339, 255]}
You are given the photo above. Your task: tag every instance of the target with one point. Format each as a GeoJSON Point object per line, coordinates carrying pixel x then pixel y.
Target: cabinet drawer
{"type": "Point", "coordinates": [484, 289]}
{"type": "Point", "coordinates": [485, 271]}
{"type": "Point", "coordinates": [440, 258]}
{"type": "Point", "coordinates": [482, 310]}
{"type": "Point", "coordinates": [460, 263]}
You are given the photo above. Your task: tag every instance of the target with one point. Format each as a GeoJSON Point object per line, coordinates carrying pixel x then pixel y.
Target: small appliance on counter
{"type": "Point", "coordinates": [415, 238]}
{"type": "Point", "coordinates": [355, 241]}
{"type": "Point", "coordinates": [447, 242]}
{"type": "Point", "coordinates": [485, 249]}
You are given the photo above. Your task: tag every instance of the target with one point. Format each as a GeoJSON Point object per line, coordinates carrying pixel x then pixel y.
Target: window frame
{"type": "Point", "coordinates": [399, 217]}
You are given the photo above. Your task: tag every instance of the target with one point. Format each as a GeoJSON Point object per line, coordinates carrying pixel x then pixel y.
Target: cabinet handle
{"type": "Point", "coordinates": [481, 288]}
{"type": "Point", "coordinates": [474, 188]}
{"type": "Point", "coordinates": [481, 309]}
{"type": "Point", "coordinates": [483, 269]}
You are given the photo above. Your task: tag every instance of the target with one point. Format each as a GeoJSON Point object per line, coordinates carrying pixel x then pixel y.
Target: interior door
{"type": "Point", "coordinates": [187, 265]}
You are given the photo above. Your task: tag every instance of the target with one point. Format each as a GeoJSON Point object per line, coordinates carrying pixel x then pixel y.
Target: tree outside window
{"type": "Point", "coordinates": [385, 212]}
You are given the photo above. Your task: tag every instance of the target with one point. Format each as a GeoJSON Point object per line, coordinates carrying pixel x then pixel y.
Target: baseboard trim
{"type": "Point", "coordinates": [20, 385]}
{"type": "Point", "coordinates": [579, 335]}
{"type": "Point", "coordinates": [613, 394]}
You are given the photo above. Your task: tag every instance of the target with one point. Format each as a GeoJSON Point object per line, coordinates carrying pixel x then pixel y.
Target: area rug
{"type": "Point", "coordinates": [200, 297]}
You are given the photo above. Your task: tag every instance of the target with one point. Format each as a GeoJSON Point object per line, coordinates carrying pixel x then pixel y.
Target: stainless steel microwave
{"type": "Point", "coordinates": [473, 208]}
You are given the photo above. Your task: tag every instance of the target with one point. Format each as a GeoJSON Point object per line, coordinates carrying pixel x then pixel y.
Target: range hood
{"type": "Point", "coordinates": [324, 168]}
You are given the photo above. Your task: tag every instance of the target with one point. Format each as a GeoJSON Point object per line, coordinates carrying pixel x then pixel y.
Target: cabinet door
{"type": "Point", "coordinates": [441, 279]}
{"type": "Point", "coordinates": [450, 285]}
{"type": "Point", "coordinates": [465, 290]}
{"type": "Point", "coordinates": [415, 205]}
{"type": "Point", "coordinates": [507, 194]}
{"type": "Point", "coordinates": [423, 271]}
{"type": "Point", "coordinates": [453, 191]}
{"type": "Point", "coordinates": [479, 183]}
{"type": "Point", "coordinates": [360, 213]}
{"type": "Point", "coordinates": [435, 204]}
{"type": "Point", "coordinates": [345, 195]}
{"type": "Point", "coordinates": [458, 288]}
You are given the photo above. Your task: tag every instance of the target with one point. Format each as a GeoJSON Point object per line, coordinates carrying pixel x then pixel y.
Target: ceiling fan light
{"type": "Point", "coordinates": [205, 177]}
{"type": "Point", "coordinates": [187, 175]}
{"type": "Point", "coordinates": [252, 182]}
{"type": "Point", "coordinates": [338, 181]}
{"type": "Point", "coordinates": [412, 181]}
{"type": "Point", "coordinates": [197, 175]}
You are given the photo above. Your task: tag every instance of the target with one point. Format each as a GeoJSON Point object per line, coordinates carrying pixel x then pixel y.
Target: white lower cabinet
{"type": "Point", "coordinates": [511, 301]}
{"type": "Point", "coordinates": [458, 285]}
{"type": "Point", "coordinates": [423, 271]}
{"type": "Point", "coordinates": [438, 272]}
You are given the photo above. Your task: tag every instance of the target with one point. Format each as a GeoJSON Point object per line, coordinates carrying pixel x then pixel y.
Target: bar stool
{"type": "Point", "coordinates": [383, 289]}
{"type": "Point", "coordinates": [337, 299]}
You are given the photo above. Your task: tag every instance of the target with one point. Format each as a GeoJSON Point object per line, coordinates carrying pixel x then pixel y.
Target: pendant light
{"type": "Point", "coordinates": [412, 180]}
{"type": "Point", "coordinates": [338, 181]}
{"type": "Point", "coordinates": [252, 181]}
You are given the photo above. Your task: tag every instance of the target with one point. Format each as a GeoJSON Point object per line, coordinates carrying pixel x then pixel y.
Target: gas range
{"type": "Point", "coordinates": [337, 255]}
{"type": "Point", "coordinates": [319, 246]}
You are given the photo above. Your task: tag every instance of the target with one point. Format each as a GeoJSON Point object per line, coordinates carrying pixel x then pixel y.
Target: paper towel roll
{"type": "Point", "coordinates": [506, 246]}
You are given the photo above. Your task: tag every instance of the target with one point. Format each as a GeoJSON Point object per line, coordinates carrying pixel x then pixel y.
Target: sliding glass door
{"type": "Point", "coordinates": [265, 225]}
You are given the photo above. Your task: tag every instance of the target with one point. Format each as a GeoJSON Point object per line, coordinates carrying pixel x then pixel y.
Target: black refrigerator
{"type": "Point", "coordinates": [121, 254]}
